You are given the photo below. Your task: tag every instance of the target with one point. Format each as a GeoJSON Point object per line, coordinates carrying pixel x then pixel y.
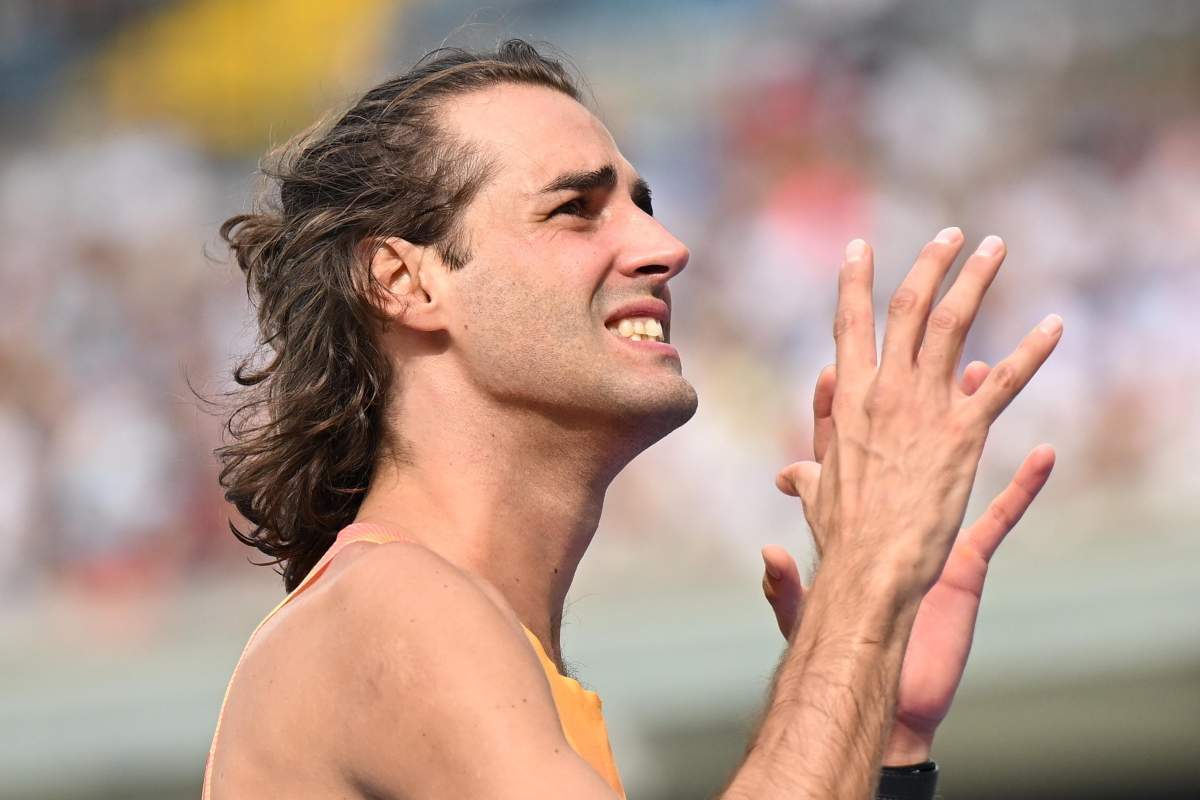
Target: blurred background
{"type": "Point", "coordinates": [772, 133]}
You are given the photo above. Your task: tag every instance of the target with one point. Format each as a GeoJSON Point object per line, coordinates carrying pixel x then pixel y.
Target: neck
{"type": "Point", "coordinates": [506, 494]}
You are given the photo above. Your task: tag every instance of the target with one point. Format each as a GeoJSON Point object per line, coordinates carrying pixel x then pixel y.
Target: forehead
{"type": "Point", "coordinates": [532, 134]}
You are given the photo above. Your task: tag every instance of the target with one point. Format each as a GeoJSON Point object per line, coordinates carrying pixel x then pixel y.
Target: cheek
{"type": "Point", "coordinates": [532, 290]}
{"type": "Point", "coordinates": [523, 328]}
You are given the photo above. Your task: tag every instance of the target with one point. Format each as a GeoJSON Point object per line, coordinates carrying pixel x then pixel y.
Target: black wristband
{"type": "Point", "coordinates": [915, 782]}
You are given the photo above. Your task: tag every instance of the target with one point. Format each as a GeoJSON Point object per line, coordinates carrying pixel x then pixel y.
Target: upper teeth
{"type": "Point", "coordinates": [638, 328]}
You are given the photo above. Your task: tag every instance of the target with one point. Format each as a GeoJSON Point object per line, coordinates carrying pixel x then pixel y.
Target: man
{"type": "Point", "coordinates": [464, 298]}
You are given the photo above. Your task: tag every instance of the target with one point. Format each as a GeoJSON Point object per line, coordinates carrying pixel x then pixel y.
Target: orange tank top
{"type": "Point", "coordinates": [579, 709]}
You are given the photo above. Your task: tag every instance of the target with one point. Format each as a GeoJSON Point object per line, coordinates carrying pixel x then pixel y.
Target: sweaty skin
{"type": "Point", "coordinates": [404, 672]}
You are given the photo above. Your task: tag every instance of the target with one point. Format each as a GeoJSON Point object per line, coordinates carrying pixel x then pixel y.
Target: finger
{"type": "Point", "coordinates": [782, 587]}
{"type": "Point", "coordinates": [954, 315]}
{"type": "Point", "coordinates": [910, 304]}
{"type": "Point", "coordinates": [799, 479]}
{"type": "Point", "coordinates": [780, 567]}
{"type": "Point", "coordinates": [1009, 376]}
{"type": "Point", "coordinates": [1003, 513]}
{"type": "Point", "coordinates": [784, 482]}
{"type": "Point", "coordinates": [854, 322]}
{"type": "Point", "coordinates": [973, 377]}
{"type": "Point", "coordinates": [823, 411]}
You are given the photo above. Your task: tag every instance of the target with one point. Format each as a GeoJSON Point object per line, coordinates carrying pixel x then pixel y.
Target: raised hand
{"type": "Point", "coordinates": [898, 449]}
{"type": "Point", "coordinates": [941, 637]}
{"type": "Point", "coordinates": [905, 440]}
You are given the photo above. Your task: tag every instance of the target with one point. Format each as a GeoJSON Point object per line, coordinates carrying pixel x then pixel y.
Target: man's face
{"type": "Point", "coordinates": [562, 243]}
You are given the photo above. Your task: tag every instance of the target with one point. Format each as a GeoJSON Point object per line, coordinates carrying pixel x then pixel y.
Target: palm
{"type": "Point", "coordinates": [940, 642]}
{"type": "Point", "coordinates": [945, 623]}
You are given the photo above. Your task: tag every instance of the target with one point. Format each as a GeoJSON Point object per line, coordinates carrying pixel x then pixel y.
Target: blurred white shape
{"type": "Point", "coordinates": [19, 463]}
{"type": "Point", "coordinates": [903, 219]}
{"type": "Point", "coordinates": [824, 11]}
{"type": "Point", "coordinates": [1021, 36]}
{"type": "Point", "coordinates": [137, 188]}
{"type": "Point", "coordinates": [930, 120]}
{"type": "Point", "coordinates": [1162, 202]}
{"type": "Point", "coordinates": [114, 471]}
{"type": "Point", "coordinates": [1062, 219]}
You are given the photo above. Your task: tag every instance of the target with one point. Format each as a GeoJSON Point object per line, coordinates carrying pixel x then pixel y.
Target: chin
{"type": "Point", "coordinates": [663, 409]}
{"type": "Point", "coordinates": [640, 410]}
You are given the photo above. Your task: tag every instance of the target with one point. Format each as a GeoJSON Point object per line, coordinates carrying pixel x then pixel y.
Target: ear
{"type": "Point", "coordinates": [408, 283]}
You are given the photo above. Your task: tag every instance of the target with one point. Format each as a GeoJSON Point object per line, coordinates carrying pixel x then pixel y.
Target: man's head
{"type": "Point", "coordinates": [561, 244]}
{"type": "Point", "coordinates": [472, 209]}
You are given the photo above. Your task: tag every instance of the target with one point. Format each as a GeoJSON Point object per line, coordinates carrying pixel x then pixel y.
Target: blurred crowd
{"type": "Point", "coordinates": [110, 308]}
{"type": "Point", "coordinates": [769, 145]}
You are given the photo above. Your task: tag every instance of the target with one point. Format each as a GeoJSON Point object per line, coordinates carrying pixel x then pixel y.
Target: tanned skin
{"type": "Point", "coordinates": [404, 673]}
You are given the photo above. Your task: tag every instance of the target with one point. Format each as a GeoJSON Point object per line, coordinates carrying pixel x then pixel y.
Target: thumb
{"type": "Point", "coordinates": [799, 479]}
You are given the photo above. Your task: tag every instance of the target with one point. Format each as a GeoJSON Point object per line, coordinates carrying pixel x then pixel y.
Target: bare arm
{"type": "Point", "coordinates": [833, 697]}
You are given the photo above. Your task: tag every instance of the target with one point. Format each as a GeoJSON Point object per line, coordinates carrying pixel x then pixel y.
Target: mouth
{"type": "Point", "coordinates": [643, 324]}
{"type": "Point", "coordinates": [638, 329]}
{"type": "Point", "coordinates": [642, 333]}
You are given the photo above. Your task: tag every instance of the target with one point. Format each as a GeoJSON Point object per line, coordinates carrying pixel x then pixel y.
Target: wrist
{"type": "Point", "coordinates": [906, 747]}
{"type": "Point", "coordinates": [882, 595]}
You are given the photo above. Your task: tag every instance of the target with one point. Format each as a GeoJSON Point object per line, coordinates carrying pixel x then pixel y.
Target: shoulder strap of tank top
{"type": "Point", "coordinates": [355, 532]}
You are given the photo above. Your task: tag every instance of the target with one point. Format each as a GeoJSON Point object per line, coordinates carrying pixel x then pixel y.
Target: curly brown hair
{"type": "Point", "coordinates": [308, 427]}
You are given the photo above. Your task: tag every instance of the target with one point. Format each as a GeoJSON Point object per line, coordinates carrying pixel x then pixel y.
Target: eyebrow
{"type": "Point", "coordinates": [604, 177]}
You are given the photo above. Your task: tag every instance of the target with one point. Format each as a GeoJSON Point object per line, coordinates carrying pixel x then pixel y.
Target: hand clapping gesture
{"type": "Point", "coordinates": [903, 435]}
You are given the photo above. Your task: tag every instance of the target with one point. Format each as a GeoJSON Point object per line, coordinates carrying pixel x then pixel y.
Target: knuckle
{"type": "Point", "coordinates": [972, 551]}
{"type": "Point", "coordinates": [944, 319]}
{"type": "Point", "coordinates": [881, 400]}
{"type": "Point", "coordinates": [1006, 377]}
{"type": "Point", "coordinates": [1001, 516]}
{"type": "Point", "coordinates": [903, 301]}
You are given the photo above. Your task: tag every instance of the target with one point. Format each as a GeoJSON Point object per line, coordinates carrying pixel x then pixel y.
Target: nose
{"type": "Point", "coordinates": [650, 249]}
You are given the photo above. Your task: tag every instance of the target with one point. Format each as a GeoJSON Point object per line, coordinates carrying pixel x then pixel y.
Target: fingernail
{"type": "Point", "coordinates": [990, 246]}
{"type": "Point", "coordinates": [856, 250]}
{"type": "Point", "coordinates": [1051, 325]}
{"type": "Point", "coordinates": [774, 573]}
{"type": "Point", "coordinates": [948, 235]}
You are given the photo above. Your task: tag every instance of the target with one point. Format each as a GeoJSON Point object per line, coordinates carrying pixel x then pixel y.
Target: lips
{"type": "Point", "coordinates": [645, 307]}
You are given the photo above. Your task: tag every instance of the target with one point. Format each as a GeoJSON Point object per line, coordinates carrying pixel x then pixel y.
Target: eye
{"type": "Point", "coordinates": [576, 207]}
{"type": "Point", "coordinates": [641, 199]}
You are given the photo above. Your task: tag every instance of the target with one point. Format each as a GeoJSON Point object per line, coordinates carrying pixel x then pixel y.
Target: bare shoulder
{"type": "Point", "coordinates": [434, 688]}
{"type": "Point", "coordinates": [395, 577]}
